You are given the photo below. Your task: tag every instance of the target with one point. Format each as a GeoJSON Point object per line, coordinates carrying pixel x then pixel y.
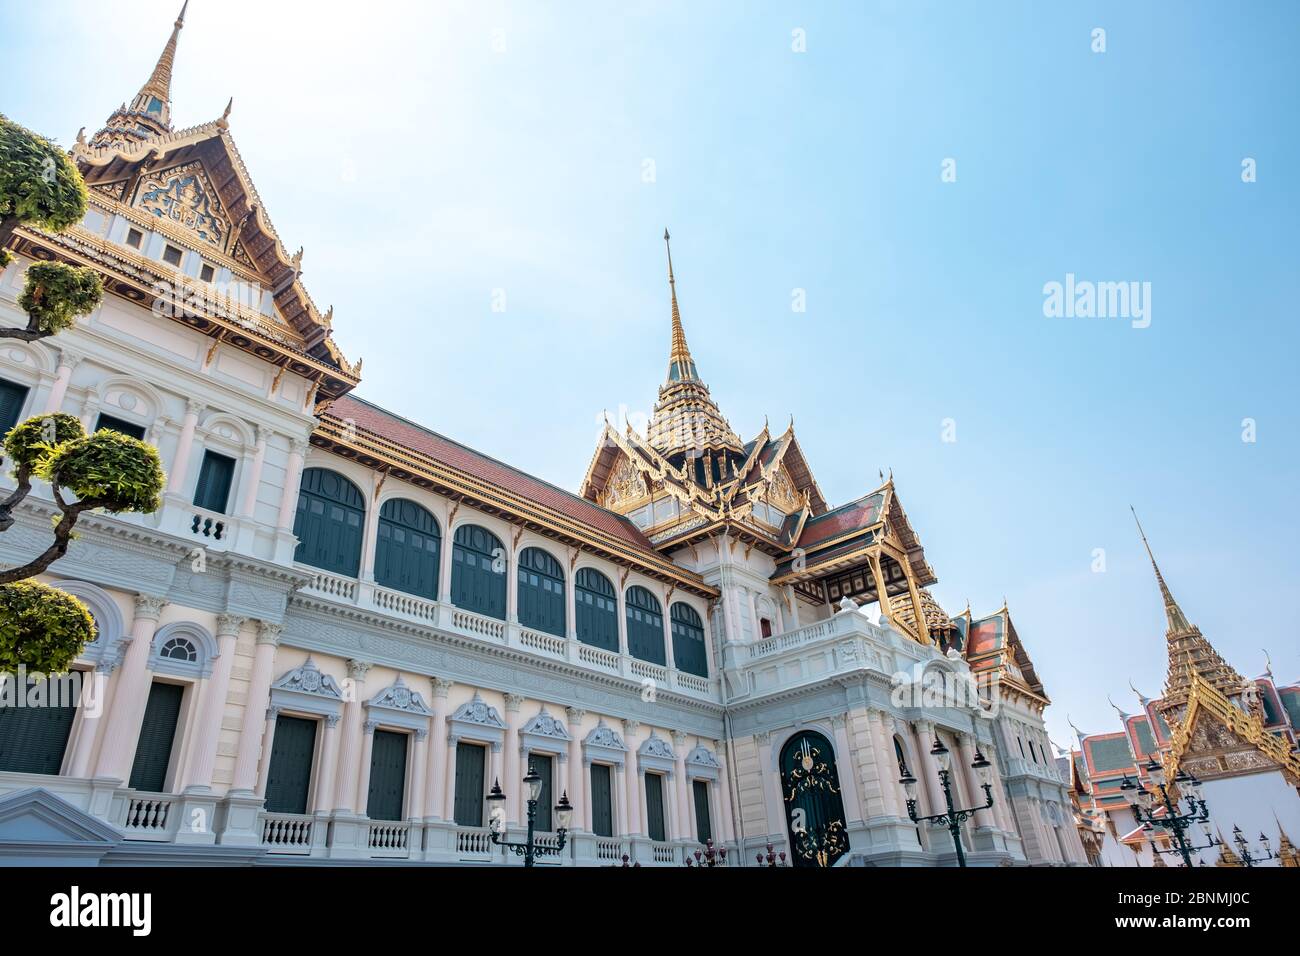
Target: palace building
{"type": "Point", "coordinates": [1237, 736]}
{"type": "Point", "coordinates": [342, 627]}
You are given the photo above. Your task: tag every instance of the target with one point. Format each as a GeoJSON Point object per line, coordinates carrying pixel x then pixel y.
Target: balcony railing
{"type": "Point", "coordinates": [287, 833]}
{"type": "Point", "coordinates": [389, 839]}
{"type": "Point", "coordinates": [148, 816]}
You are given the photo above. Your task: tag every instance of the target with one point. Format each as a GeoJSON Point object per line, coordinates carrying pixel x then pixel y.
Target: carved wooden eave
{"type": "Point", "coordinates": [134, 278]}
{"type": "Point", "coordinates": [1205, 698]}
{"type": "Point", "coordinates": [252, 249]}
{"type": "Point", "coordinates": [374, 451]}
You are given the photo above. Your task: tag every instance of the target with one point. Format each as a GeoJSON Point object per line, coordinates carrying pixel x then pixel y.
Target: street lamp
{"type": "Point", "coordinates": [708, 856]}
{"type": "Point", "coordinates": [1243, 848]}
{"type": "Point", "coordinates": [954, 817]}
{"type": "Point", "coordinates": [530, 849]}
{"type": "Point", "coordinates": [1146, 804]}
{"type": "Point", "coordinates": [770, 858]}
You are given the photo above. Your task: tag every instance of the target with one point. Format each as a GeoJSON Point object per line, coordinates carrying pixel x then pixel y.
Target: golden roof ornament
{"type": "Point", "coordinates": [149, 114]}
{"type": "Point", "coordinates": [224, 121]}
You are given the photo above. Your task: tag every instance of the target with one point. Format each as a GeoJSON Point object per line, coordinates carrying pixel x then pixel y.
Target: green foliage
{"type": "Point", "coordinates": [30, 441]}
{"type": "Point", "coordinates": [56, 293]}
{"type": "Point", "coordinates": [39, 183]}
{"type": "Point", "coordinates": [41, 628]}
{"type": "Point", "coordinates": [6, 257]}
{"type": "Point", "coordinates": [122, 472]}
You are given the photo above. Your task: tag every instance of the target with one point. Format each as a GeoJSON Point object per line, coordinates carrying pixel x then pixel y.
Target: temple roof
{"type": "Point", "coordinates": [993, 644]}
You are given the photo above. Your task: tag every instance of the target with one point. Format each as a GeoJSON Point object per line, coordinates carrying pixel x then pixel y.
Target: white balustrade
{"type": "Point", "coordinates": [287, 833]}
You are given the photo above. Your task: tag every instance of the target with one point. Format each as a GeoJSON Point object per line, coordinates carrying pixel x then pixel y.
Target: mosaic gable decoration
{"type": "Point", "coordinates": [185, 196]}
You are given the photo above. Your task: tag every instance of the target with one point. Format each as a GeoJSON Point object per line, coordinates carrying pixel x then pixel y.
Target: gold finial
{"type": "Point", "coordinates": [1123, 715]}
{"type": "Point", "coordinates": [81, 136]}
{"type": "Point", "coordinates": [327, 320]}
{"type": "Point", "coordinates": [1174, 614]}
{"type": "Point", "coordinates": [160, 81]}
{"type": "Point", "coordinates": [679, 358]}
{"type": "Point", "coordinates": [224, 122]}
{"type": "Point", "coordinates": [1268, 665]}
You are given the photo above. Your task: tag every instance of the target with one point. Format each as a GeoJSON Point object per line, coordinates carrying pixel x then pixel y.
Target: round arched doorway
{"type": "Point", "coordinates": [814, 806]}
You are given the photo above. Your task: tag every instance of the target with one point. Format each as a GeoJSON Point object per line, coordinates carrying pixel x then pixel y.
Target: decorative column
{"type": "Point", "coordinates": [575, 789]}
{"type": "Point", "coordinates": [793, 600]}
{"type": "Point", "coordinates": [415, 807]}
{"type": "Point", "coordinates": [123, 727]}
{"type": "Point", "coordinates": [89, 408]}
{"type": "Point", "coordinates": [213, 705]}
{"type": "Point", "coordinates": [181, 463]}
{"type": "Point", "coordinates": [512, 587]}
{"type": "Point", "coordinates": [681, 788]}
{"type": "Point", "coordinates": [772, 801]}
{"type": "Point", "coordinates": [345, 791]}
{"type": "Point", "coordinates": [269, 717]}
{"type": "Point", "coordinates": [362, 782]}
{"type": "Point", "coordinates": [725, 825]}
{"type": "Point", "coordinates": [253, 481]}
{"type": "Point", "coordinates": [635, 812]}
{"type": "Point", "coordinates": [878, 799]}
{"type": "Point", "coordinates": [292, 479]}
{"type": "Point", "coordinates": [670, 658]}
{"type": "Point", "coordinates": [329, 761]}
{"type": "Point", "coordinates": [571, 603]}
{"type": "Point", "coordinates": [433, 805]}
{"type": "Point", "coordinates": [621, 786]}
{"type": "Point", "coordinates": [496, 762]}
{"type": "Point", "coordinates": [94, 697]}
{"type": "Point", "coordinates": [622, 620]}
{"type": "Point", "coordinates": [513, 778]}
{"type": "Point", "coordinates": [370, 528]}
{"type": "Point", "coordinates": [251, 732]}
{"type": "Point", "coordinates": [59, 391]}
{"type": "Point", "coordinates": [445, 552]}
{"type": "Point", "coordinates": [449, 781]}
{"type": "Point", "coordinates": [852, 792]}
{"type": "Point", "coordinates": [923, 738]}
{"type": "Point", "coordinates": [586, 793]}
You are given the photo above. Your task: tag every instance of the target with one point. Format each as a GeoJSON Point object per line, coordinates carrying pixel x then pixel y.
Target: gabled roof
{"type": "Point", "coordinates": [993, 644]}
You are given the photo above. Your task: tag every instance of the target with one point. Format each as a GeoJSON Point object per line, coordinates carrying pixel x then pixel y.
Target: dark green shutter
{"type": "Point", "coordinates": [688, 640]}
{"type": "Point", "coordinates": [476, 583]}
{"type": "Point", "coordinates": [469, 785]}
{"type": "Point", "coordinates": [33, 739]}
{"type": "Point", "coordinates": [153, 752]}
{"type": "Point", "coordinates": [215, 476]}
{"type": "Point", "coordinates": [12, 398]}
{"type": "Point", "coordinates": [288, 778]}
{"type": "Point", "coordinates": [541, 592]}
{"type": "Point", "coordinates": [602, 805]}
{"type": "Point", "coordinates": [545, 768]}
{"type": "Point", "coordinates": [596, 609]}
{"type": "Point", "coordinates": [703, 824]}
{"type": "Point", "coordinates": [387, 775]}
{"type": "Point", "coordinates": [111, 423]}
{"type": "Point", "coordinates": [654, 806]}
{"type": "Point", "coordinates": [645, 626]}
{"type": "Point", "coordinates": [331, 513]}
{"type": "Point", "coordinates": [407, 550]}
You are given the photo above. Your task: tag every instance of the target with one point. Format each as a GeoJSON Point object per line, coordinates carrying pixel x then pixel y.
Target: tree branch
{"type": "Point", "coordinates": [24, 477]}
{"type": "Point", "coordinates": [62, 537]}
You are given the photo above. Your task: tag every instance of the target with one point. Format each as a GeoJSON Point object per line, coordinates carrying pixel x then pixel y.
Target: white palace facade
{"type": "Point", "coordinates": [342, 627]}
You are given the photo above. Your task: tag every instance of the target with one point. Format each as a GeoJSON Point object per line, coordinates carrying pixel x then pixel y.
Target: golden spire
{"type": "Point", "coordinates": [1177, 620]}
{"type": "Point", "coordinates": [1189, 652]}
{"type": "Point", "coordinates": [160, 81]}
{"type": "Point", "coordinates": [680, 364]}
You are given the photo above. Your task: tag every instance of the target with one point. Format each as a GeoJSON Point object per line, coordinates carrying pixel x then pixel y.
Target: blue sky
{"type": "Point", "coordinates": [427, 155]}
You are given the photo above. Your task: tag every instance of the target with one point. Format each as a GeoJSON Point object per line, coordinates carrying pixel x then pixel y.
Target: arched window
{"type": "Point", "coordinates": [407, 549]}
{"type": "Point", "coordinates": [688, 640]}
{"type": "Point", "coordinates": [179, 649]}
{"type": "Point", "coordinates": [541, 591]}
{"type": "Point", "coordinates": [183, 649]}
{"type": "Point", "coordinates": [331, 514]}
{"type": "Point", "coordinates": [478, 580]}
{"type": "Point", "coordinates": [596, 609]}
{"type": "Point", "coordinates": [645, 626]}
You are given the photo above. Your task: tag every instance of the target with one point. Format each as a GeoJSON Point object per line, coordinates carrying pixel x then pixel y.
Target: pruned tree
{"type": "Point", "coordinates": [41, 628]}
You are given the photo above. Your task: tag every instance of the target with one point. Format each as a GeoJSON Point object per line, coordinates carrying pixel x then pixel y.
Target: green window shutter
{"type": "Point", "coordinates": [476, 584]}
{"type": "Point", "coordinates": [596, 609]}
{"type": "Point", "coordinates": [654, 806]}
{"type": "Point", "coordinates": [331, 514]}
{"type": "Point", "coordinates": [470, 788]}
{"type": "Point", "coordinates": [12, 399]}
{"type": "Point", "coordinates": [408, 549]}
{"type": "Point", "coordinates": [545, 767]}
{"type": "Point", "coordinates": [289, 776]}
{"type": "Point", "coordinates": [33, 739]}
{"type": "Point", "coordinates": [541, 592]}
{"type": "Point", "coordinates": [645, 626]}
{"type": "Point", "coordinates": [215, 476]}
{"type": "Point", "coordinates": [602, 805]}
{"type": "Point", "coordinates": [387, 775]}
{"type": "Point", "coordinates": [688, 640]}
{"type": "Point", "coordinates": [153, 752]}
{"type": "Point", "coordinates": [703, 823]}
{"type": "Point", "coordinates": [120, 425]}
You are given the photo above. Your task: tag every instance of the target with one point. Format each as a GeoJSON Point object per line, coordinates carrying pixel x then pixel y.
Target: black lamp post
{"type": "Point", "coordinates": [1243, 848]}
{"type": "Point", "coordinates": [529, 850]}
{"type": "Point", "coordinates": [953, 818]}
{"type": "Point", "coordinates": [1147, 804]}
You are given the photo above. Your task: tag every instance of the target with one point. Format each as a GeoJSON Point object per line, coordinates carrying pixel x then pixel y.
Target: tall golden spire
{"type": "Point", "coordinates": [1189, 652]}
{"type": "Point", "coordinates": [150, 113]}
{"type": "Point", "coordinates": [680, 364]}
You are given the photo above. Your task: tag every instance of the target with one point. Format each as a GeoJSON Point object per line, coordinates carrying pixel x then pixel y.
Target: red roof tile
{"type": "Point", "coordinates": [855, 515]}
{"type": "Point", "coordinates": [422, 441]}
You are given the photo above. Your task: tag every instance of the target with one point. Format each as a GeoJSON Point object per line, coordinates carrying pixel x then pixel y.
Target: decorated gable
{"type": "Point", "coordinates": [184, 196]}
